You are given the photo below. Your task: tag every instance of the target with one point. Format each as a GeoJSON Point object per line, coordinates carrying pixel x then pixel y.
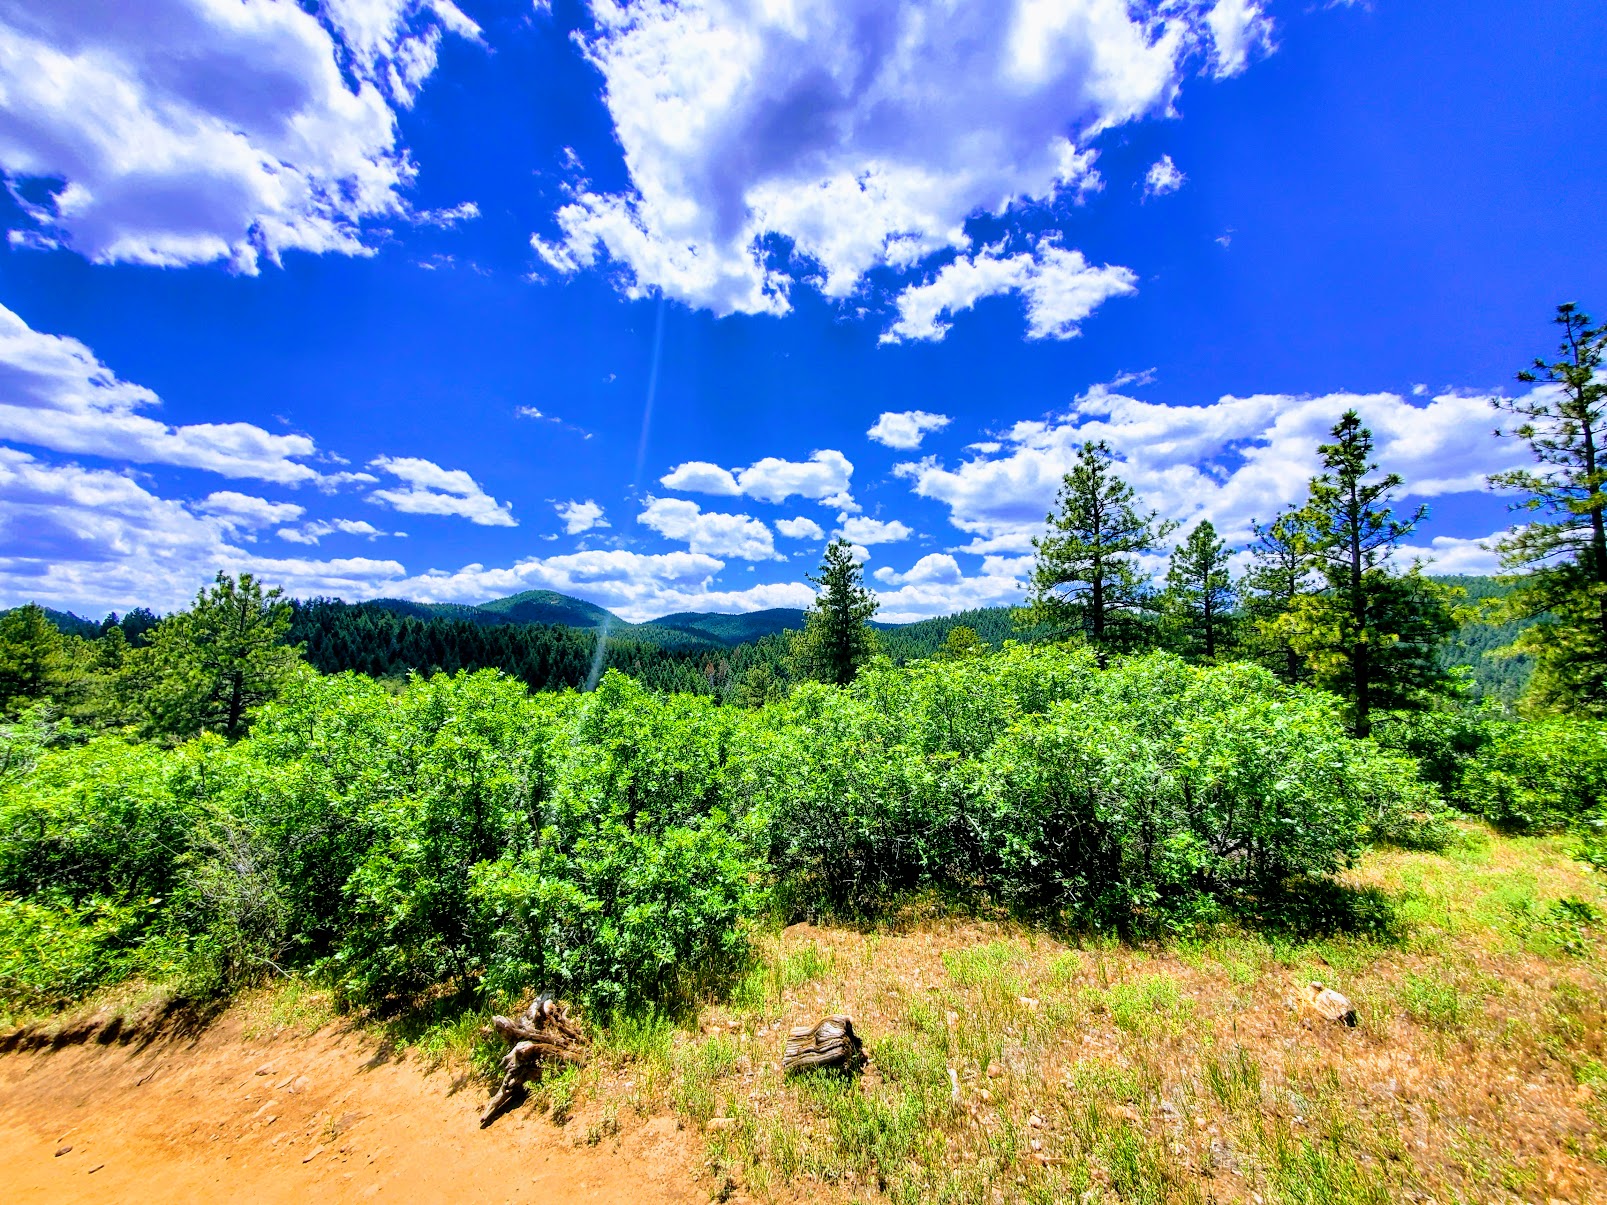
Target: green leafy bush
{"type": "Point", "coordinates": [1544, 775]}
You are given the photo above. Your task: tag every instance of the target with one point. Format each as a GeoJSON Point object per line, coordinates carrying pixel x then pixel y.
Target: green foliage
{"type": "Point", "coordinates": [1086, 579]}
{"type": "Point", "coordinates": [1561, 549]}
{"type": "Point", "coordinates": [211, 667]}
{"type": "Point", "coordinates": [1543, 775]}
{"type": "Point", "coordinates": [1280, 574]}
{"type": "Point", "coordinates": [1372, 634]}
{"type": "Point", "coordinates": [1198, 600]}
{"type": "Point", "coordinates": [837, 639]}
{"type": "Point", "coordinates": [32, 657]}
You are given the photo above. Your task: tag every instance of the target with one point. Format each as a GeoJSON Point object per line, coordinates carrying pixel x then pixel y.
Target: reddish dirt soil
{"type": "Point", "coordinates": [290, 1118]}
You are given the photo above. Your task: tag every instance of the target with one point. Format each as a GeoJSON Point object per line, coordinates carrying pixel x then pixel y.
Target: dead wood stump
{"type": "Point", "coordinates": [831, 1043]}
{"type": "Point", "coordinates": [542, 1033]}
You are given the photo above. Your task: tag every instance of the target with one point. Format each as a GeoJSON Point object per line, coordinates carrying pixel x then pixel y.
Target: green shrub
{"type": "Point", "coordinates": [1543, 775]}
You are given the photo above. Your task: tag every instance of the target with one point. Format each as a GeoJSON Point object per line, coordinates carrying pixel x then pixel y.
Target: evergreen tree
{"type": "Point", "coordinates": [1198, 602]}
{"type": "Point", "coordinates": [212, 666]}
{"type": "Point", "coordinates": [1371, 634]}
{"type": "Point", "coordinates": [1279, 575]}
{"type": "Point", "coordinates": [837, 639]}
{"type": "Point", "coordinates": [1086, 578]}
{"type": "Point", "coordinates": [1559, 558]}
{"type": "Point", "coordinates": [961, 644]}
{"type": "Point", "coordinates": [32, 651]}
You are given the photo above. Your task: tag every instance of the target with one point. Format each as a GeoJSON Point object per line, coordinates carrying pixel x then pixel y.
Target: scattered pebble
{"type": "Point", "coordinates": [995, 1071]}
{"type": "Point", "coordinates": [717, 1124]}
{"type": "Point", "coordinates": [312, 1154]}
{"type": "Point", "coordinates": [62, 1150]}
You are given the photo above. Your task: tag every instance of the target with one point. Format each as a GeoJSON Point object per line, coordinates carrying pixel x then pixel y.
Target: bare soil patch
{"type": "Point", "coordinates": [334, 1116]}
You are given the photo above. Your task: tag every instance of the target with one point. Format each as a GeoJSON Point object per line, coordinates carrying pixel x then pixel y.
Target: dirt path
{"type": "Point", "coordinates": [298, 1119]}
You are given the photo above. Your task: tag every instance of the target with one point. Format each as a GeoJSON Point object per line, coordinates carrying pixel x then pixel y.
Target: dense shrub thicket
{"type": "Point", "coordinates": [614, 846]}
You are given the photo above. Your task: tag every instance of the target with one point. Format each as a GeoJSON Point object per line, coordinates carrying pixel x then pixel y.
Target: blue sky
{"type": "Point", "coordinates": [644, 301]}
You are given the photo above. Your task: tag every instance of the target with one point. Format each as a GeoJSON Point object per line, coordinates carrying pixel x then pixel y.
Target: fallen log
{"type": "Point", "coordinates": [544, 1032]}
{"type": "Point", "coordinates": [831, 1043]}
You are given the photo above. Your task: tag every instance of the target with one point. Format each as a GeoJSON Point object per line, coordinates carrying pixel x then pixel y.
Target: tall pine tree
{"type": "Point", "coordinates": [1559, 558]}
{"type": "Point", "coordinates": [1278, 576]}
{"type": "Point", "coordinates": [1086, 578]}
{"type": "Point", "coordinates": [1370, 636]}
{"type": "Point", "coordinates": [1198, 601]}
{"type": "Point", "coordinates": [837, 638]}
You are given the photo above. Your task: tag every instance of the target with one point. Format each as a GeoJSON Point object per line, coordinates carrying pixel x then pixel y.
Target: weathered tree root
{"type": "Point", "coordinates": [542, 1033]}
{"type": "Point", "coordinates": [831, 1043]}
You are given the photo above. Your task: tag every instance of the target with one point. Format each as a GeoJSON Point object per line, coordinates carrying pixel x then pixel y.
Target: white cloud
{"type": "Point", "coordinates": [800, 529]}
{"type": "Point", "coordinates": [243, 511]}
{"type": "Point", "coordinates": [55, 393]}
{"type": "Point", "coordinates": [1452, 554]}
{"type": "Point", "coordinates": [447, 218]}
{"type": "Point", "coordinates": [906, 429]}
{"type": "Point", "coordinates": [1233, 461]}
{"type": "Point", "coordinates": [636, 586]}
{"type": "Point", "coordinates": [740, 536]}
{"type": "Point", "coordinates": [432, 490]}
{"type": "Point", "coordinates": [824, 478]}
{"type": "Point", "coordinates": [1163, 177]}
{"type": "Point", "coordinates": [854, 134]}
{"type": "Point", "coordinates": [936, 585]}
{"type": "Point", "coordinates": [580, 516]}
{"type": "Point", "coordinates": [312, 533]}
{"type": "Point", "coordinates": [194, 131]}
{"type": "Point", "coordinates": [1239, 28]}
{"type": "Point", "coordinates": [93, 540]}
{"type": "Point", "coordinates": [1058, 285]}
{"type": "Point", "coordinates": [872, 531]}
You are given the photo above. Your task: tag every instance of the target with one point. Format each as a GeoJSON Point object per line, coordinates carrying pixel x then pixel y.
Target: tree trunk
{"type": "Point", "coordinates": [542, 1033]}
{"type": "Point", "coordinates": [831, 1043]}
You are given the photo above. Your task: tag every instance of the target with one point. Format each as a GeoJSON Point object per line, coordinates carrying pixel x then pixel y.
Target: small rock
{"type": "Point", "coordinates": [985, 1094]}
{"type": "Point", "coordinates": [62, 1150]}
{"type": "Point", "coordinates": [716, 1124]}
{"type": "Point", "coordinates": [301, 1085]}
{"type": "Point", "coordinates": [1035, 1122]}
{"type": "Point", "coordinates": [266, 1069]}
{"type": "Point", "coordinates": [733, 1025]}
{"type": "Point", "coordinates": [1329, 1004]}
{"type": "Point", "coordinates": [1036, 1145]}
{"type": "Point", "coordinates": [952, 1017]}
{"type": "Point", "coordinates": [994, 1070]}
{"type": "Point", "coordinates": [94, 1169]}
{"type": "Point", "coordinates": [1029, 1002]}
{"type": "Point", "coordinates": [312, 1154]}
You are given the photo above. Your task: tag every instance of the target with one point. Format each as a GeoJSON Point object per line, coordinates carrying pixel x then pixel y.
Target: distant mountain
{"type": "Point", "coordinates": [732, 629]}
{"type": "Point", "coordinates": [548, 606]}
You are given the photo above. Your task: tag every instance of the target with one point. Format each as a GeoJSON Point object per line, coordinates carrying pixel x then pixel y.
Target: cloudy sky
{"type": "Point", "coordinates": [644, 300]}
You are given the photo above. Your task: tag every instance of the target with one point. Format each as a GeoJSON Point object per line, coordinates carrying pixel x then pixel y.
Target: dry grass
{"type": "Point", "coordinates": [1188, 1071]}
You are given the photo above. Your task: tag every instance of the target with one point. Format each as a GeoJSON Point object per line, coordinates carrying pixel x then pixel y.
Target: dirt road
{"type": "Point", "coordinates": [332, 1117]}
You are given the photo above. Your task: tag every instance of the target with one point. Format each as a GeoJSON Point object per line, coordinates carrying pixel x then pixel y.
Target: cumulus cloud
{"type": "Point", "coordinates": [91, 540]}
{"type": "Point", "coordinates": [176, 132]}
{"type": "Point", "coordinates": [740, 536]}
{"type": "Point", "coordinates": [905, 429]}
{"type": "Point", "coordinates": [800, 529]}
{"type": "Point", "coordinates": [243, 511]}
{"type": "Point", "coordinates": [1453, 554]}
{"type": "Point", "coordinates": [580, 516]}
{"type": "Point", "coordinates": [312, 533]}
{"type": "Point", "coordinates": [636, 586]}
{"type": "Point", "coordinates": [861, 530]}
{"type": "Point", "coordinates": [1163, 177]}
{"type": "Point", "coordinates": [823, 478]}
{"type": "Point", "coordinates": [1239, 29]}
{"type": "Point", "coordinates": [55, 393]}
{"type": "Point", "coordinates": [936, 585]}
{"type": "Point", "coordinates": [432, 490]}
{"type": "Point", "coordinates": [1059, 287]}
{"type": "Point", "coordinates": [814, 142]}
{"type": "Point", "coordinates": [1233, 461]}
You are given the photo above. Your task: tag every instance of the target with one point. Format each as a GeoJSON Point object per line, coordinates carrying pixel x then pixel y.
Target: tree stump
{"type": "Point", "coordinates": [831, 1043]}
{"type": "Point", "coordinates": [542, 1033]}
{"type": "Point", "coordinates": [1329, 1004]}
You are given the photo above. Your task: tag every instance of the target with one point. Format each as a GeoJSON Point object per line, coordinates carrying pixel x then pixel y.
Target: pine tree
{"type": "Point", "coordinates": [1371, 634]}
{"type": "Point", "coordinates": [32, 653]}
{"type": "Point", "coordinates": [1198, 601]}
{"type": "Point", "coordinates": [1559, 558]}
{"type": "Point", "coordinates": [1086, 578]}
{"type": "Point", "coordinates": [837, 639]}
{"type": "Point", "coordinates": [213, 665]}
{"type": "Point", "coordinates": [1279, 575]}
